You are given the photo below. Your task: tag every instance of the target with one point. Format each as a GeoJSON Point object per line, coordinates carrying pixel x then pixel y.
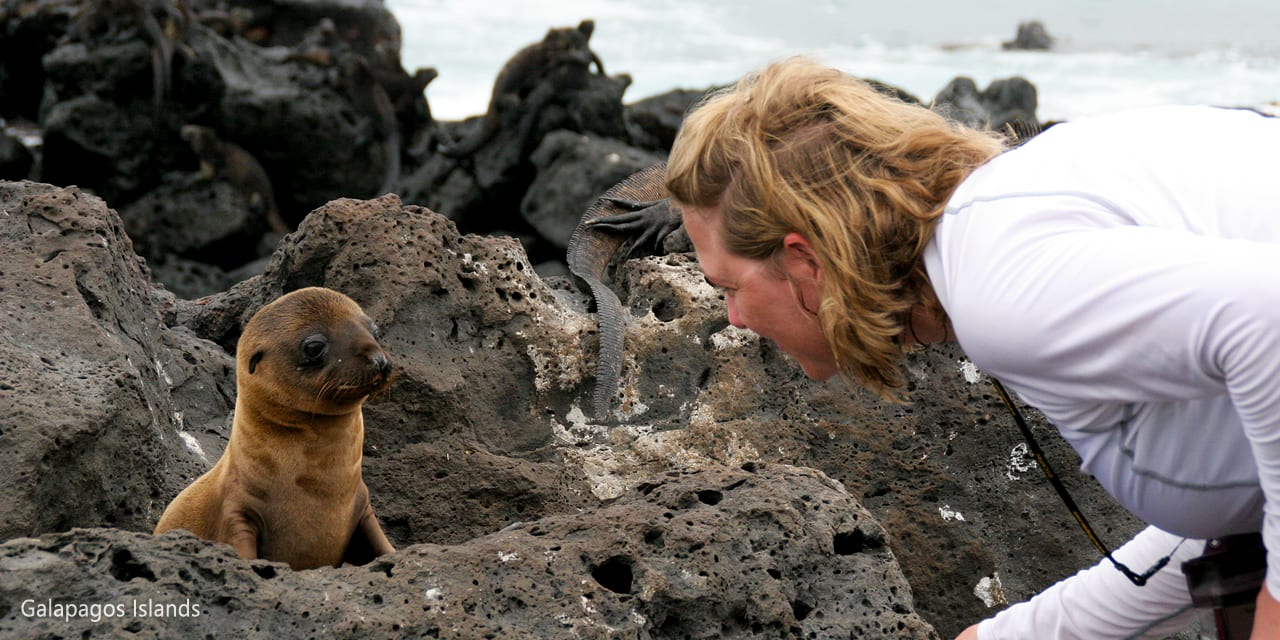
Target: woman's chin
{"type": "Point", "coordinates": [818, 371]}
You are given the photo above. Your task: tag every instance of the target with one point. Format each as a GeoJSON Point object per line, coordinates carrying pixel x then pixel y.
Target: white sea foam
{"type": "Point", "coordinates": [1110, 55]}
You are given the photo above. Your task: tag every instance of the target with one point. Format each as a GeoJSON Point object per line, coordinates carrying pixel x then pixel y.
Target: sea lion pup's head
{"type": "Point", "coordinates": [314, 351]}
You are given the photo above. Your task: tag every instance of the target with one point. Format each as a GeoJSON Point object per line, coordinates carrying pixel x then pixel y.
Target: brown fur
{"type": "Point", "coordinates": [288, 487]}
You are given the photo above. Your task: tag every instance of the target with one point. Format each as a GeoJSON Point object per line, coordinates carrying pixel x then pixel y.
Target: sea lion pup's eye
{"type": "Point", "coordinates": [313, 348]}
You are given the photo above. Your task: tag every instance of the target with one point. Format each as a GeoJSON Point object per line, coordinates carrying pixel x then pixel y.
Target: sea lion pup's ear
{"type": "Point", "coordinates": [253, 362]}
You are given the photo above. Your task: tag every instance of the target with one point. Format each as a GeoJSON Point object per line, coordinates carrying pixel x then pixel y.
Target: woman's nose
{"type": "Point", "coordinates": [735, 317]}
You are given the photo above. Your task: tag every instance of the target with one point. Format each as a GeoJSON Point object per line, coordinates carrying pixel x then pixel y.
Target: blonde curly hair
{"type": "Point", "coordinates": [802, 147]}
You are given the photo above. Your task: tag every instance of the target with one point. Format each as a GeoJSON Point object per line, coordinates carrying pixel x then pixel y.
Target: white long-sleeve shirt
{"type": "Point", "coordinates": [1122, 274]}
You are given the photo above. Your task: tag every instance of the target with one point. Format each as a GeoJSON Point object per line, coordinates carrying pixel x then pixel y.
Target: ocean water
{"type": "Point", "coordinates": [1108, 55]}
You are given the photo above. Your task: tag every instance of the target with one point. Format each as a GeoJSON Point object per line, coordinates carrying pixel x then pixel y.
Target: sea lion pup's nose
{"type": "Point", "coordinates": [381, 363]}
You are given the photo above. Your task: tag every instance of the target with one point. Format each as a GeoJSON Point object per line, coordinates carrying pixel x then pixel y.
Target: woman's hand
{"type": "Point", "coordinates": [1266, 620]}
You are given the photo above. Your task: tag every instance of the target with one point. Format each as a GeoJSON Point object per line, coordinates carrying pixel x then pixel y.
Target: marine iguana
{"type": "Point", "coordinates": [320, 45]}
{"type": "Point", "coordinates": [165, 40]}
{"type": "Point", "coordinates": [636, 207]}
{"type": "Point", "coordinates": [227, 160]}
{"type": "Point", "coordinates": [407, 97]}
{"type": "Point", "coordinates": [415, 112]}
{"type": "Point", "coordinates": [561, 62]}
{"type": "Point", "coordinates": [371, 100]}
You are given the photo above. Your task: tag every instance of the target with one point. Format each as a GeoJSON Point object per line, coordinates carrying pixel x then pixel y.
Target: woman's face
{"type": "Point", "coordinates": [758, 294]}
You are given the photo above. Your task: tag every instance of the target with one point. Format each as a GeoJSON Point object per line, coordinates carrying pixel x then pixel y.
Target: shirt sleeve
{"type": "Point", "coordinates": [1129, 314]}
{"type": "Point", "coordinates": [1099, 602]}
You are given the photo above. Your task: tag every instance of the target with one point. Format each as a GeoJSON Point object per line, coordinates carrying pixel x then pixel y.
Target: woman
{"type": "Point", "coordinates": [1122, 274]}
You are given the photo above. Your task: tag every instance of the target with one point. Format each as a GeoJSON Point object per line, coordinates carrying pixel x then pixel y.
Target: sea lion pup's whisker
{"type": "Point", "coordinates": [300, 508]}
{"type": "Point", "coordinates": [327, 391]}
{"type": "Point", "coordinates": [315, 399]}
{"type": "Point", "coordinates": [383, 394]}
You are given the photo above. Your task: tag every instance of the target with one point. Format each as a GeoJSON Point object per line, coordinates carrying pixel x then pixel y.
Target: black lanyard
{"type": "Point", "coordinates": [1135, 578]}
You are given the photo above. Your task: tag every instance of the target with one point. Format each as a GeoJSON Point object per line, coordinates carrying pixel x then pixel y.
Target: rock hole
{"type": "Point", "coordinates": [849, 543]}
{"type": "Point", "coordinates": [124, 567]}
{"type": "Point", "coordinates": [614, 575]}
{"type": "Point", "coordinates": [801, 610]}
{"type": "Point", "coordinates": [654, 537]}
{"type": "Point", "coordinates": [265, 572]}
{"type": "Point", "coordinates": [710, 496]}
{"type": "Point", "coordinates": [666, 310]}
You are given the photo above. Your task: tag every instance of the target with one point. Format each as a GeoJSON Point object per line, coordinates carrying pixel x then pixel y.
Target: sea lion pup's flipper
{"type": "Point", "coordinates": [367, 541]}
{"type": "Point", "coordinates": [592, 248]}
{"type": "Point", "coordinates": [242, 534]}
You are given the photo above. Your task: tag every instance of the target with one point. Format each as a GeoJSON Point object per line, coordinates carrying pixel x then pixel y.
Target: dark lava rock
{"type": "Point", "coordinates": [485, 428]}
{"type": "Point", "coordinates": [773, 552]}
{"type": "Point", "coordinates": [16, 160]}
{"type": "Point", "coordinates": [1009, 102]}
{"type": "Point", "coordinates": [573, 170]}
{"type": "Point", "coordinates": [655, 120]}
{"type": "Point", "coordinates": [105, 406]}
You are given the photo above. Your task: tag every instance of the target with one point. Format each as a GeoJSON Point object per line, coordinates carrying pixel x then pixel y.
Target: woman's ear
{"type": "Point", "coordinates": [803, 270]}
{"type": "Point", "coordinates": [799, 259]}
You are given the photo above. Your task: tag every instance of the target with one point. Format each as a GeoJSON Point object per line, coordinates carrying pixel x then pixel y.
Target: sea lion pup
{"type": "Point", "coordinates": [288, 487]}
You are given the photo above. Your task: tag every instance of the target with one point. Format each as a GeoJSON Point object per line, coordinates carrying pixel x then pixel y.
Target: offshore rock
{"type": "Point", "coordinates": [1031, 36]}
